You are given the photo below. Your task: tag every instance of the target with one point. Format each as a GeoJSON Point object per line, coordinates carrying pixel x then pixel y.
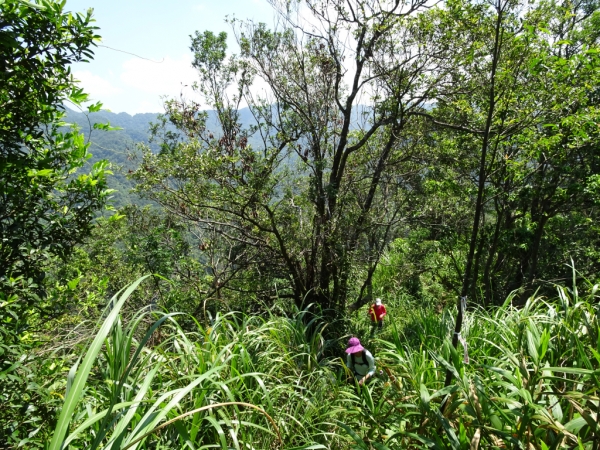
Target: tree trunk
{"type": "Point", "coordinates": [480, 189]}
{"type": "Point", "coordinates": [535, 248]}
{"type": "Point", "coordinates": [488, 297]}
{"type": "Point", "coordinates": [477, 262]}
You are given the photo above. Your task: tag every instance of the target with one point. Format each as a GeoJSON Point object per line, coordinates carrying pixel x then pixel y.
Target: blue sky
{"type": "Point", "coordinates": [158, 30]}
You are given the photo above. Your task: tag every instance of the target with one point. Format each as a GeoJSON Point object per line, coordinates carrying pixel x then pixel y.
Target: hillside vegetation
{"type": "Point", "coordinates": [191, 279]}
{"type": "Point", "coordinates": [271, 381]}
{"type": "Point", "coordinates": [117, 146]}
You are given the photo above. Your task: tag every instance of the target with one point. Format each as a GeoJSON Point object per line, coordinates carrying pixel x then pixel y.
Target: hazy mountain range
{"type": "Point", "coordinates": [119, 146]}
{"type": "Point", "coordinates": [115, 146]}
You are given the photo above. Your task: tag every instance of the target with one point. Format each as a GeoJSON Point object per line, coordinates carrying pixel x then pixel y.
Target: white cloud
{"type": "Point", "coordinates": [96, 86]}
{"type": "Point", "coordinates": [170, 77]}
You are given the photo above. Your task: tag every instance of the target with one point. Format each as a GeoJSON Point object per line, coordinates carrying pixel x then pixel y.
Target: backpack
{"type": "Point", "coordinates": [363, 356]}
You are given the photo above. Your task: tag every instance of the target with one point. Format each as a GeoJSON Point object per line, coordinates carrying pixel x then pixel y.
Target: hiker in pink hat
{"type": "Point", "coordinates": [360, 361]}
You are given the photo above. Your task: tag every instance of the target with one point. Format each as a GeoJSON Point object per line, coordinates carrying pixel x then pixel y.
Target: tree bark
{"type": "Point", "coordinates": [481, 187]}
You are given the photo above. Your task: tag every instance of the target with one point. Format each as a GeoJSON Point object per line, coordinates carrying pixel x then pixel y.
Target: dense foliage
{"type": "Point", "coordinates": [263, 382]}
{"type": "Point", "coordinates": [428, 154]}
{"type": "Point", "coordinates": [46, 207]}
{"type": "Point", "coordinates": [473, 126]}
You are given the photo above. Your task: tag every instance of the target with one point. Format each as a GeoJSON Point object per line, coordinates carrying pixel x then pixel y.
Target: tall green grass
{"type": "Point", "coordinates": [532, 380]}
{"type": "Point", "coordinates": [250, 382]}
{"type": "Point", "coordinates": [243, 382]}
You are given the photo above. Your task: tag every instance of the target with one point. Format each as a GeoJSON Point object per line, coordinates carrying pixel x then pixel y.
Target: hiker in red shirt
{"type": "Point", "coordinates": [377, 312]}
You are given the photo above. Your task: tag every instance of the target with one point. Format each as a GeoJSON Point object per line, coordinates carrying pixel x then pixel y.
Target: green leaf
{"type": "Point", "coordinates": [544, 342]}
{"type": "Point", "coordinates": [40, 173]}
{"type": "Point", "coordinates": [219, 429]}
{"type": "Point", "coordinates": [105, 127]}
{"type": "Point", "coordinates": [573, 370]}
{"type": "Point", "coordinates": [575, 425]}
{"type": "Point", "coordinates": [379, 446]}
{"type": "Point", "coordinates": [445, 391]}
{"type": "Point", "coordinates": [31, 4]}
{"type": "Point", "coordinates": [94, 419]}
{"type": "Point", "coordinates": [95, 107]}
{"type": "Point", "coordinates": [454, 442]}
{"type": "Point", "coordinates": [310, 447]}
{"type": "Point", "coordinates": [424, 396]}
{"type": "Point", "coordinates": [73, 283]}
{"type": "Point", "coordinates": [532, 345]}
{"type": "Point", "coordinates": [361, 444]}
{"type": "Point", "coordinates": [76, 390]}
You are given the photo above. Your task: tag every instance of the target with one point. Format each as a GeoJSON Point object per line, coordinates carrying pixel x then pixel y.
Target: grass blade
{"type": "Point", "coordinates": [76, 390]}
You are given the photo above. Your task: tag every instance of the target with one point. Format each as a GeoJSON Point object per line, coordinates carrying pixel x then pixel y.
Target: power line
{"type": "Point", "coordinates": [129, 53]}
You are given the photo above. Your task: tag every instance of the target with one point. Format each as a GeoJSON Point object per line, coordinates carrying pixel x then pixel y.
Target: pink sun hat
{"type": "Point", "coordinates": [354, 346]}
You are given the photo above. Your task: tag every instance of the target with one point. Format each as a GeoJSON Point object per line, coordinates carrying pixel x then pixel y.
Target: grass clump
{"type": "Point", "coordinates": [263, 382]}
{"type": "Point", "coordinates": [531, 381]}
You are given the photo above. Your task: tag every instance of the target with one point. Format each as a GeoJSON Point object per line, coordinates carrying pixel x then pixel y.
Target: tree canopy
{"type": "Point", "coordinates": [368, 108]}
{"type": "Point", "coordinates": [45, 207]}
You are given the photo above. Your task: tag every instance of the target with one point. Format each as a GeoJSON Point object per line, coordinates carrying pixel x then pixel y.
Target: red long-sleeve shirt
{"type": "Point", "coordinates": [377, 312]}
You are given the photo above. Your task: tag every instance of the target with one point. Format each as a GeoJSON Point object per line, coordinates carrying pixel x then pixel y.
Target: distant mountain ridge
{"type": "Point", "coordinates": [115, 146]}
{"type": "Point", "coordinates": [118, 146]}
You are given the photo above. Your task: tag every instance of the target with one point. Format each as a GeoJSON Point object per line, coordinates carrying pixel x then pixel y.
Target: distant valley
{"type": "Point", "coordinates": [115, 146]}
